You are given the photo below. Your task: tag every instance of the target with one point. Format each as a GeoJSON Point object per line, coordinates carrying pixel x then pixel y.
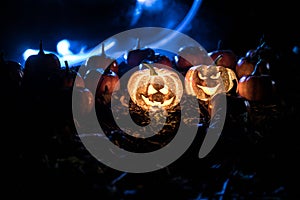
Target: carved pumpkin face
{"type": "Point", "coordinates": [205, 81]}
{"type": "Point", "coordinates": [155, 87]}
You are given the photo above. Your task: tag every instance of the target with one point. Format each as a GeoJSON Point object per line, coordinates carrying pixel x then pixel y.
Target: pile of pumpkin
{"type": "Point", "coordinates": [45, 90]}
{"type": "Point", "coordinates": [251, 72]}
{"type": "Point", "coordinates": [249, 75]}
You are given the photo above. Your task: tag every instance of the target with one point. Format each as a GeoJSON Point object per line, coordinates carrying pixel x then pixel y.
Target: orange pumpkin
{"type": "Point", "coordinates": [109, 83]}
{"type": "Point", "coordinates": [244, 67]}
{"type": "Point", "coordinates": [71, 78]}
{"type": "Point", "coordinates": [137, 56]}
{"type": "Point", "coordinates": [189, 56]}
{"type": "Point", "coordinates": [224, 57]}
{"type": "Point", "coordinates": [155, 87]}
{"type": "Point", "coordinates": [38, 70]}
{"type": "Point", "coordinates": [228, 59]}
{"type": "Point", "coordinates": [256, 86]}
{"type": "Point", "coordinates": [100, 82]}
{"type": "Point", "coordinates": [205, 81]}
{"type": "Point", "coordinates": [83, 101]}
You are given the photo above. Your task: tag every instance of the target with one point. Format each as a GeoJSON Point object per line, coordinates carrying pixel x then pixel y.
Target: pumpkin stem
{"type": "Point", "coordinates": [138, 43]}
{"type": "Point", "coordinates": [255, 71]}
{"type": "Point", "coordinates": [217, 59]}
{"type": "Point", "coordinates": [103, 49]}
{"type": "Point", "coordinates": [41, 52]}
{"type": "Point", "coordinates": [152, 71]}
{"type": "Point", "coordinates": [262, 45]}
{"type": "Point", "coordinates": [67, 66]}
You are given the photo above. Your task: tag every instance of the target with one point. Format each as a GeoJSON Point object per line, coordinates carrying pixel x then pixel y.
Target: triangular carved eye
{"type": "Point", "coordinates": [201, 77]}
{"type": "Point", "coordinates": [151, 90]}
{"type": "Point", "coordinates": [215, 76]}
{"type": "Point", "coordinates": [164, 90]}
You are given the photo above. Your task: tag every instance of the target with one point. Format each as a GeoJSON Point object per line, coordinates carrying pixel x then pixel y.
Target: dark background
{"type": "Point", "coordinates": [239, 24]}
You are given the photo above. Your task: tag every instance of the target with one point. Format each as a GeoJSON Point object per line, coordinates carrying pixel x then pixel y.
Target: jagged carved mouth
{"type": "Point", "coordinates": [157, 103]}
{"type": "Point", "coordinates": [209, 90]}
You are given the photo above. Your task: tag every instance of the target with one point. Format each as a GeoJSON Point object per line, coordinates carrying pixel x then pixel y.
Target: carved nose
{"type": "Point", "coordinates": [158, 97]}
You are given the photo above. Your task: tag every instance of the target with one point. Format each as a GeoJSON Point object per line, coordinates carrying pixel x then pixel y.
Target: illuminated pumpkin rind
{"type": "Point", "coordinates": [155, 87]}
{"type": "Point", "coordinates": [205, 81]}
{"type": "Point", "coordinates": [256, 87]}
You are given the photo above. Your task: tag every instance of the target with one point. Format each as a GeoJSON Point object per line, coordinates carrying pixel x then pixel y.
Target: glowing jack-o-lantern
{"type": "Point", "coordinates": [205, 81]}
{"type": "Point", "coordinates": [155, 87]}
